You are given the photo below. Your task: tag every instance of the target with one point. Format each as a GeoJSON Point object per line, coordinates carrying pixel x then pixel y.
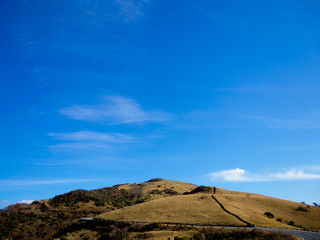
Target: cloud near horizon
{"type": "Point", "coordinates": [115, 110]}
{"type": "Point", "coordinates": [34, 182]}
{"type": "Point", "coordinates": [241, 175]}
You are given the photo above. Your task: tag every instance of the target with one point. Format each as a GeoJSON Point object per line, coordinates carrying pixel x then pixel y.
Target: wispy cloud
{"type": "Point", "coordinates": [115, 110]}
{"type": "Point", "coordinates": [262, 89]}
{"type": "Point", "coordinates": [93, 136]}
{"type": "Point", "coordinates": [35, 182]}
{"type": "Point", "coordinates": [241, 175]}
{"type": "Point", "coordinates": [89, 140]}
{"type": "Point", "coordinates": [285, 123]}
{"type": "Point", "coordinates": [131, 9]}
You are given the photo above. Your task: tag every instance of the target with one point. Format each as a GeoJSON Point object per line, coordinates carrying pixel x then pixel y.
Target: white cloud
{"type": "Point", "coordinates": [25, 201]}
{"type": "Point", "coordinates": [241, 175]}
{"type": "Point", "coordinates": [294, 175]}
{"type": "Point", "coordinates": [115, 110]}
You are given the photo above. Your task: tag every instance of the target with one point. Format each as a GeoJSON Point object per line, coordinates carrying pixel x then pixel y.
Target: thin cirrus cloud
{"type": "Point", "coordinates": [93, 136]}
{"type": "Point", "coordinates": [36, 182]}
{"type": "Point", "coordinates": [131, 9]}
{"type": "Point", "coordinates": [90, 140]}
{"type": "Point", "coordinates": [285, 123]}
{"type": "Point", "coordinates": [115, 110]}
{"type": "Point", "coordinates": [241, 175]}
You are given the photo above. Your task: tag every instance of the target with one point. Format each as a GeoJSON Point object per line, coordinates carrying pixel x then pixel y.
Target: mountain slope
{"type": "Point", "coordinates": [198, 207]}
{"type": "Point", "coordinates": [286, 214]}
{"type": "Point", "coordinates": [191, 209]}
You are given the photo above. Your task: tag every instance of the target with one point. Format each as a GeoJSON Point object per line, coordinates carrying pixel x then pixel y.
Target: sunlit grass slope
{"type": "Point", "coordinates": [194, 209]}
{"type": "Point", "coordinates": [252, 208]}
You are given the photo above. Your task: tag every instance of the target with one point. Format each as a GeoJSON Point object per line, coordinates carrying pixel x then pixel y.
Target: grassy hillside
{"type": "Point", "coordinates": [286, 214]}
{"type": "Point", "coordinates": [122, 195]}
{"type": "Point", "coordinates": [157, 200]}
{"type": "Point", "coordinates": [200, 208]}
{"type": "Point", "coordinates": [194, 209]}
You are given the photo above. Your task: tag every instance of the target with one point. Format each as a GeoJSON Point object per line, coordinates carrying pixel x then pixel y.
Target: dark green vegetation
{"type": "Point", "coordinates": [201, 189]}
{"type": "Point", "coordinates": [113, 197]}
{"type": "Point", "coordinates": [43, 219]}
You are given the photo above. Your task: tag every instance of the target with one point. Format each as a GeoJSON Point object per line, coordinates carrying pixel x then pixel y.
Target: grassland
{"type": "Point", "coordinates": [286, 214]}
{"type": "Point", "coordinates": [193, 209]}
{"type": "Point", "coordinates": [201, 209]}
{"type": "Point", "coordinates": [156, 200]}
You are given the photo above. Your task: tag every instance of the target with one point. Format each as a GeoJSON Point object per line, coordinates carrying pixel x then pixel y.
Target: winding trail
{"type": "Point", "coordinates": [236, 216]}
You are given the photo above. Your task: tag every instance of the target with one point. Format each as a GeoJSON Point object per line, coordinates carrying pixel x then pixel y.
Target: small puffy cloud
{"type": "Point", "coordinates": [115, 110]}
{"type": "Point", "coordinates": [241, 175]}
{"type": "Point", "coordinates": [234, 175]}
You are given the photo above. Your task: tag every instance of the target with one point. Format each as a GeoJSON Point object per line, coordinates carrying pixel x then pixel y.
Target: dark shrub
{"type": "Point", "coordinates": [291, 223]}
{"type": "Point", "coordinates": [302, 209]}
{"type": "Point", "coordinates": [269, 214]}
{"type": "Point", "coordinates": [170, 191]}
{"type": "Point", "coordinates": [155, 180]}
{"type": "Point", "coordinates": [155, 191]}
{"type": "Point", "coordinates": [202, 189]}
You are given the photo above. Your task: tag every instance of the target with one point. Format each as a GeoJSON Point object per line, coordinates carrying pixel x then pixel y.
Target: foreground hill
{"type": "Point", "coordinates": [227, 208]}
{"type": "Point", "coordinates": [155, 201]}
{"type": "Point", "coordinates": [191, 209]}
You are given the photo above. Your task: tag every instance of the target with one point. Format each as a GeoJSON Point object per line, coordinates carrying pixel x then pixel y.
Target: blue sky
{"type": "Point", "coordinates": [220, 93]}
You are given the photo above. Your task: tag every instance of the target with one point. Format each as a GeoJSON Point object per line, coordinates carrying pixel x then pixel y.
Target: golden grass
{"type": "Point", "coordinates": [251, 207]}
{"type": "Point", "coordinates": [193, 209]}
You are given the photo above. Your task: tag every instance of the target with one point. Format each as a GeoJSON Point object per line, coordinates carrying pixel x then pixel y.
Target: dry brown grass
{"type": "Point", "coordinates": [251, 207]}
{"type": "Point", "coordinates": [194, 209]}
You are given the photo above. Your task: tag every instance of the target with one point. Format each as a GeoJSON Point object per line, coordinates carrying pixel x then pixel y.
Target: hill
{"type": "Point", "coordinates": [200, 208]}
{"type": "Point", "coordinates": [155, 201]}
{"type": "Point", "coordinates": [266, 211]}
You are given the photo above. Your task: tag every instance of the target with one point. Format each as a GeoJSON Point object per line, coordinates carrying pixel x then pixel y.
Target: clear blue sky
{"type": "Point", "coordinates": [101, 92]}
